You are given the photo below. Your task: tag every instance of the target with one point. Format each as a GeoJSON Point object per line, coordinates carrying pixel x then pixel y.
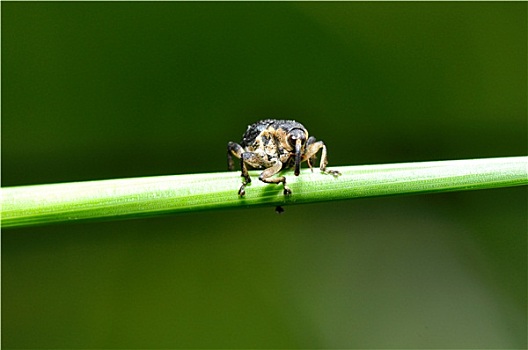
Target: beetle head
{"type": "Point", "coordinates": [297, 139]}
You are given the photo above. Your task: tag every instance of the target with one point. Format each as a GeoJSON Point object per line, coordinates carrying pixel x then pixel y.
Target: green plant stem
{"type": "Point", "coordinates": [134, 197]}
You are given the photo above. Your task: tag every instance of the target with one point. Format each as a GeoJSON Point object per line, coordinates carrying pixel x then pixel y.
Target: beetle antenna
{"type": "Point", "coordinates": [298, 147]}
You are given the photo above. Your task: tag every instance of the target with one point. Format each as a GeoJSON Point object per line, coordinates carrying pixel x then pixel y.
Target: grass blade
{"type": "Point", "coordinates": [135, 197]}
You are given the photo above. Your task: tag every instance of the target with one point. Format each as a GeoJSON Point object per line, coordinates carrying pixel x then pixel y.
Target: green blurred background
{"type": "Point", "coordinates": [111, 90]}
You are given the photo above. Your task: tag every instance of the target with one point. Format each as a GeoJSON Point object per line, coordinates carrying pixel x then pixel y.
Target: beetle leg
{"type": "Point", "coordinates": [233, 149]}
{"type": "Point", "coordinates": [247, 179]}
{"type": "Point", "coordinates": [266, 176]}
{"type": "Point", "coordinates": [256, 160]}
{"type": "Point", "coordinates": [310, 160]}
{"type": "Point", "coordinates": [309, 154]}
{"type": "Point", "coordinates": [237, 150]}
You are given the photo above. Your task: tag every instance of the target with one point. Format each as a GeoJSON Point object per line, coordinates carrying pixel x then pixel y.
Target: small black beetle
{"type": "Point", "coordinates": [274, 145]}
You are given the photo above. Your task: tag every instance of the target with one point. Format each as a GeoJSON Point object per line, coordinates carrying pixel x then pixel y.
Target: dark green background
{"type": "Point", "coordinates": [110, 90]}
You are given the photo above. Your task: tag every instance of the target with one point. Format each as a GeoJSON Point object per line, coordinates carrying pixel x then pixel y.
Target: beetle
{"type": "Point", "coordinates": [274, 145]}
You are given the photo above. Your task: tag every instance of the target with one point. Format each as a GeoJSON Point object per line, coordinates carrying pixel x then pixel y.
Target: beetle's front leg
{"type": "Point", "coordinates": [266, 176]}
{"type": "Point", "coordinates": [237, 150]}
{"type": "Point", "coordinates": [310, 159]}
{"type": "Point", "coordinates": [247, 179]}
{"type": "Point", "coordinates": [312, 148]}
{"type": "Point", "coordinates": [254, 159]}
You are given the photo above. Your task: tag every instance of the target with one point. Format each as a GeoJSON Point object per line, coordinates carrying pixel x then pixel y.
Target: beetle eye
{"type": "Point", "coordinates": [295, 135]}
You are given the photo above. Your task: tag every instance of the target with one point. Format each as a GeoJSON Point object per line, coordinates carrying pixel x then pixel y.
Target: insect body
{"type": "Point", "coordinates": [274, 145]}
